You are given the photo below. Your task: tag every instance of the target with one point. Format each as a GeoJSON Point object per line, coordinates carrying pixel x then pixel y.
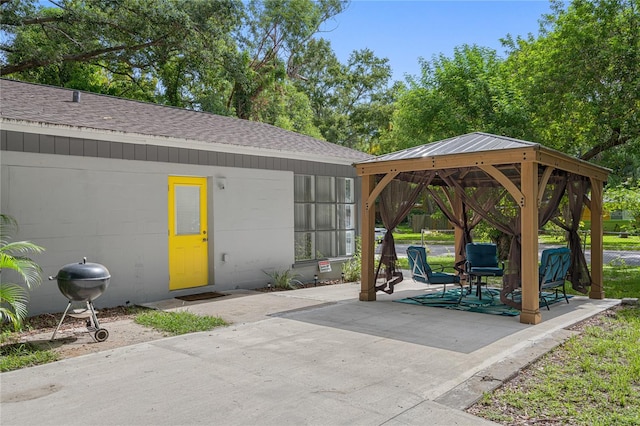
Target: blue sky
{"type": "Point", "coordinates": [404, 31]}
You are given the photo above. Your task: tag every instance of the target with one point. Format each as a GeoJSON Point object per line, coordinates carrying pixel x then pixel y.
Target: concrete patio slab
{"type": "Point", "coordinates": [316, 356]}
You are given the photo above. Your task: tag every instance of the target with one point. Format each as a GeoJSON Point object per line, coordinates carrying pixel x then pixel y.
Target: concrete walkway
{"type": "Point", "coordinates": [316, 356]}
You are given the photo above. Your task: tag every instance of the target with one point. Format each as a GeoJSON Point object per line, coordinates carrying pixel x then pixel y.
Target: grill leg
{"type": "Point", "coordinates": [93, 315]}
{"type": "Point", "coordinates": [61, 319]}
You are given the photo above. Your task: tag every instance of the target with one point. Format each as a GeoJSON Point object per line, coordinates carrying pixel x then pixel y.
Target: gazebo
{"type": "Point", "coordinates": [516, 186]}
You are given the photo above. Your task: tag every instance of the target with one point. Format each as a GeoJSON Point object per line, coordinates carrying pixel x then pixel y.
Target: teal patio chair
{"type": "Point", "coordinates": [553, 270]}
{"type": "Point", "coordinates": [482, 261]}
{"type": "Point", "coordinates": [422, 272]}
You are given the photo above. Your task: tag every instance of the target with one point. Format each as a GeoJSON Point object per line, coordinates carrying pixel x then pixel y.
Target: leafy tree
{"type": "Point", "coordinates": [452, 96]}
{"type": "Point", "coordinates": [137, 45]}
{"type": "Point", "coordinates": [284, 106]}
{"type": "Point", "coordinates": [274, 32]}
{"type": "Point", "coordinates": [351, 101]}
{"type": "Point", "coordinates": [581, 77]}
{"type": "Point", "coordinates": [625, 196]}
{"type": "Point", "coordinates": [13, 257]}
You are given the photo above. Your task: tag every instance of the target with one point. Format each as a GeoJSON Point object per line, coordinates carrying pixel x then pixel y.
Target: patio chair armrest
{"type": "Point", "coordinates": [438, 266]}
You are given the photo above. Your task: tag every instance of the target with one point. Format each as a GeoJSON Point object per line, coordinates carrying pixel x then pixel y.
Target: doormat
{"type": "Point", "coordinates": [490, 303]}
{"type": "Point", "coordinates": [201, 296]}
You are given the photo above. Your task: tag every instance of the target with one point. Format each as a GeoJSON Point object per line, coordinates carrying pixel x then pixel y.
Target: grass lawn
{"type": "Point", "coordinates": [620, 281]}
{"type": "Point", "coordinates": [181, 322]}
{"type": "Point", "coordinates": [20, 355]}
{"type": "Point", "coordinates": [592, 379]}
{"type": "Point", "coordinates": [610, 242]}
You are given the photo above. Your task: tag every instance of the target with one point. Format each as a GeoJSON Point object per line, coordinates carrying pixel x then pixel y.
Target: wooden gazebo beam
{"type": "Point", "coordinates": [539, 154]}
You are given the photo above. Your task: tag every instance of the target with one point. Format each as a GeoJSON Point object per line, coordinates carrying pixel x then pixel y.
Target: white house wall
{"type": "Point", "coordinates": [253, 226]}
{"type": "Point", "coordinates": [99, 201]}
{"type": "Point", "coordinates": [112, 215]}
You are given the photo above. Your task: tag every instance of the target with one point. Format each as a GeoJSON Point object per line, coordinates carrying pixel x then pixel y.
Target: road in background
{"type": "Point", "coordinates": [615, 257]}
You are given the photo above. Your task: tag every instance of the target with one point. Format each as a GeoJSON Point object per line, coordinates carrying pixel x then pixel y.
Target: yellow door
{"type": "Point", "coordinates": [188, 238]}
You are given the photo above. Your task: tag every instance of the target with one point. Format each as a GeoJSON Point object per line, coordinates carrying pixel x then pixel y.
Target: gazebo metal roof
{"type": "Point", "coordinates": [469, 143]}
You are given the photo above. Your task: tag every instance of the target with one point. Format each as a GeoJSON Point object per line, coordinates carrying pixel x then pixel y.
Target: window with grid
{"type": "Point", "coordinates": [324, 217]}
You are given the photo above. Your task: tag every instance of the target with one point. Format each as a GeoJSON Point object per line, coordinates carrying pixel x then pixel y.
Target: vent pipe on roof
{"type": "Point", "coordinates": [76, 96]}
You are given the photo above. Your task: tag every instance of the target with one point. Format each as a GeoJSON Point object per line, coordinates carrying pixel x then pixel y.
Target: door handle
{"type": "Point", "coordinates": [204, 240]}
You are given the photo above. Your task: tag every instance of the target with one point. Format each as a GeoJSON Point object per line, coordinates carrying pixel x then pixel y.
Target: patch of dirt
{"type": "Point", "coordinates": [75, 339]}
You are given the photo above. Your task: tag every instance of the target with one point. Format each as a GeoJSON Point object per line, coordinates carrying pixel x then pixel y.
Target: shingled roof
{"type": "Point", "coordinates": [48, 105]}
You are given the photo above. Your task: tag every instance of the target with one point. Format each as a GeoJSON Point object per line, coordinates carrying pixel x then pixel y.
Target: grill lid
{"type": "Point", "coordinates": [83, 271]}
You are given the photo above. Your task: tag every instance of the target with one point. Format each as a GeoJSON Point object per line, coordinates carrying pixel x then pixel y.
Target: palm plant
{"type": "Point", "coordinates": [13, 257]}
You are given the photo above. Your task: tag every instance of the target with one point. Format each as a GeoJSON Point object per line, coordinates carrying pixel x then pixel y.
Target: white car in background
{"type": "Point", "coordinates": [380, 233]}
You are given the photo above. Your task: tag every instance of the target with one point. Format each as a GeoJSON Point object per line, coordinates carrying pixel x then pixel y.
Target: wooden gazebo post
{"type": "Point", "coordinates": [458, 232]}
{"type": "Point", "coordinates": [597, 288]}
{"type": "Point", "coordinates": [367, 284]}
{"type": "Point", "coordinates": [529, 238]}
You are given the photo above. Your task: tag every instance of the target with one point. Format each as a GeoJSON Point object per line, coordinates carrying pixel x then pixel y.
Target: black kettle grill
{"type": "Point", "coordinates": [83, 282]}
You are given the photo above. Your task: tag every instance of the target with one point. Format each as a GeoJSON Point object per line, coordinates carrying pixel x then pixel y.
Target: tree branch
{"type": "Point", "coordinates": [614, 140]}
{"type": "Point", "coordinates": [80, 57]}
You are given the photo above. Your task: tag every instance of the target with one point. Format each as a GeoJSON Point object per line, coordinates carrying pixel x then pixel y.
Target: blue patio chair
{"type": "Point", "coordinates": [422, 272]}
{"type": "Point", "coordinates": [482, 261]}
{"type": "Point", "coordinates": [553, 270]}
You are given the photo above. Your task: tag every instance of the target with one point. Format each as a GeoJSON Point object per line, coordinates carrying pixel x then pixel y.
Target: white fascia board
{"type": "Point", "coordinates": [141, 139]}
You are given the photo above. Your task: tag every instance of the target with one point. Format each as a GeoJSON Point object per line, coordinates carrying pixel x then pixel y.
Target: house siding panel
{"type": "Point", "coordinates": [203, 158]}
{"type": "Point", "coordinates": [140, 152]}
{"type": "Point", "coordinates": [15, 141]}
{"type": "Point", "coordinates": [31, 142]}
{"type": "Point", "coordinates": [116, 150]}
{"type": "Point", "coordinates": [174, 155]}
{"type": "Point", "coordinates": [47, 144]}
{"type": "Point", "coordinates": [128, 151]}
{"type": "Point", "coordinates": [61, 145]}
{"type": "Point", "coordinates": [193, 157]}
{"type": "Point", "coordinates": [163, 153]}
{"type": "Point", "coordinates": [152, 153]}
{"type": "Point", "coordinates": [76, 146]}
{"type": "Point", "coordinates": [90, 148]}
{"type": "Point", "coordinates": [183, 155]}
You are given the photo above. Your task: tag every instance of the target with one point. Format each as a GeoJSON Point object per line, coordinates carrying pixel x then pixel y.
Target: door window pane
{"type": "Point", "coordinates": [187, 205]}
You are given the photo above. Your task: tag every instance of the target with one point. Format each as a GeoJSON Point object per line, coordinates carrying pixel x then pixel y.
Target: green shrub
{"type": "Point", "coordinates": [353, 267]}
{"type": "Point", "coordinates": [282, 279]}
